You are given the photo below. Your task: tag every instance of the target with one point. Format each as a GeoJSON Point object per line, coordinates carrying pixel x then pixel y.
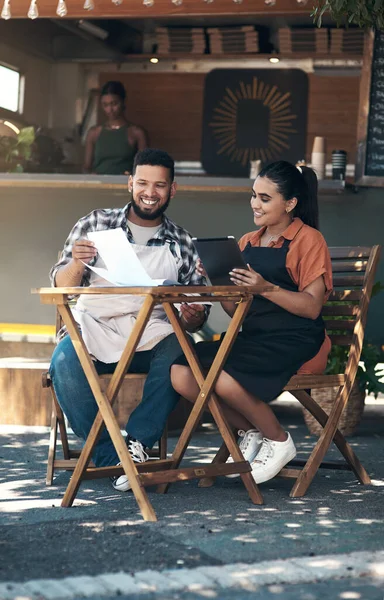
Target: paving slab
{"type": "Point", "coordinates": [212, 527]}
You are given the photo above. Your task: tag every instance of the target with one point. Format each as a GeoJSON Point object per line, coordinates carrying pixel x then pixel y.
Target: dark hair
{"type": "Point", "coordinates": [294, 183]}
{"type": "Point", "coordinates": [114, 88]}
{"type": "Point", "coordinates": [155, 158]}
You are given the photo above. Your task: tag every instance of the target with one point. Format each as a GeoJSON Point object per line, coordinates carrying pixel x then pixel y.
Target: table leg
{"type": "Point", "coordinates": [106, 414]}
{"type": "Point", "coordinates": [206, 386]}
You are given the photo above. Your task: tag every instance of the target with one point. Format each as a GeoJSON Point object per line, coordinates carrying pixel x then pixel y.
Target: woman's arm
{"type": "Point", "coordinates": [307, 303]}
{"type": "Point", "coordinates": [229, 307]}
{"type": "Point", "coordinates": [140, 137]}
{"type": "Point", "coordinates": [90, 149]}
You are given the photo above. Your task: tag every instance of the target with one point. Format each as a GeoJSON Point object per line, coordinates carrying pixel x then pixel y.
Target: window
{"type": "Point", "coordinates": [10, 81]}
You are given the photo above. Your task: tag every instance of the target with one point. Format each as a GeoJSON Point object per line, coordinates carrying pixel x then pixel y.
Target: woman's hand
{"type": "Point", "coordinates": [246, 277]}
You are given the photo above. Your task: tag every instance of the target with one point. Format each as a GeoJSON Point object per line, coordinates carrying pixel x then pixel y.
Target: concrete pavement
{"type": "Point", "coordinates": [217, 527]}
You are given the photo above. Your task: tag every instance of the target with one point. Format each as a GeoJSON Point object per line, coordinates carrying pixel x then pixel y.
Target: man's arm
{"type": "Point", "coordinates": [69, 271]}
{"type": "Point", "coordinates": [193, 316]}
{"type": "Point", "coordinates": [71, 274]}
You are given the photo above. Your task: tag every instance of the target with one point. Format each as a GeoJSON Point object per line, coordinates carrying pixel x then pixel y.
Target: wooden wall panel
{"type": "Point", "coordinates": [170, 107]}
{"type": "Point", "coordinates": [333, 113]}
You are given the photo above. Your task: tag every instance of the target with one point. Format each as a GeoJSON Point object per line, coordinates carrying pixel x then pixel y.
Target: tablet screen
{"type": "Point", "coordinates": [219, 256]}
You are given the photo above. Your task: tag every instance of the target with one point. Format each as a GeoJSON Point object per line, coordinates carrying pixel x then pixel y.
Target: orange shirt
{"type": "Point", "coordinates": [307, 259]}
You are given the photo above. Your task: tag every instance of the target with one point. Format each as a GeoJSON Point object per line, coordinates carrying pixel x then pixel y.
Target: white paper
{"type": "Point", "coordinates": [123, 266]}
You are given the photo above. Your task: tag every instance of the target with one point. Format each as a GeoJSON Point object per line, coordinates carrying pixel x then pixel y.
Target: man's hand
{"type": "Point", "coordinates": [83, 250]}
{"type": "Point", "coordinates": [192, 316]}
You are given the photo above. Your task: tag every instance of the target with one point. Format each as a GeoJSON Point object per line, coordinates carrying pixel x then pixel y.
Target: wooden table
{"type": "Point", "coordinates": [161, 472]}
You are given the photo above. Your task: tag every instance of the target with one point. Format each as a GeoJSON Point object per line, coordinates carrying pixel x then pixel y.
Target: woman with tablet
{"type": "Point", "coordinates": [283, 331]}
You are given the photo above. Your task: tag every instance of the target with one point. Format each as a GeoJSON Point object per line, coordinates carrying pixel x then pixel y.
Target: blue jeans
{"type": "Point", "coordinates": [147, 421]}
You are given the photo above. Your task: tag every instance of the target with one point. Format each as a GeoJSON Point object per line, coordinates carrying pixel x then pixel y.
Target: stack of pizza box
{"type": "Point", "coordinates": [180, 40]}
{"type": "Point", "coordinates": [307, 40]}
{"type": "Point", "coordinates": [347, 41]}
{"type": "Point", "coordinates": [233, 40]}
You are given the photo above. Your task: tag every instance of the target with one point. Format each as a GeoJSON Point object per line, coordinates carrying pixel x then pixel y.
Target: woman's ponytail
{"type": "Point", "coordinates": [308, 210]}
{"type": "Point", "coordinates": [296, 182]}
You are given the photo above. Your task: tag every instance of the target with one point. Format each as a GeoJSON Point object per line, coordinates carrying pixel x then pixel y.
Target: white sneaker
{"type": "Point", "coordinates": [271, 458]}
{"type": "Point", "coordinates": [138, 455]}
{"type": "Point", "coordinates": [249, 443]}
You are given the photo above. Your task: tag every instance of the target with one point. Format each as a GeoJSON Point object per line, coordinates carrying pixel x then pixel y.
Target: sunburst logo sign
{"type": "Point", "coordinates": [253, 118]}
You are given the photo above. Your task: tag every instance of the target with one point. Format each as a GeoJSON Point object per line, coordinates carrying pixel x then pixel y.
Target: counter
{"type": "Point", "coordinates": [185, 183]}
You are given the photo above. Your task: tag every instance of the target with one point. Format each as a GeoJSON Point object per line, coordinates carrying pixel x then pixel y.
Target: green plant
{"type": "Point", "coordinates": [370, 376]}
{"type": "Point", "coordinates": [17, 150]}
{"type": "Point", "coordinates": [364, 13]}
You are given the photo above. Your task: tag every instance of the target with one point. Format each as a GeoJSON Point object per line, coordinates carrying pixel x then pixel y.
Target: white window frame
{"type": "Point", "coordinates": [20, 93]}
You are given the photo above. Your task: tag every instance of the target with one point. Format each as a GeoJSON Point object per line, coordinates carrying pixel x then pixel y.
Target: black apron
{"type": "Point", "coordinates": [273, 343]}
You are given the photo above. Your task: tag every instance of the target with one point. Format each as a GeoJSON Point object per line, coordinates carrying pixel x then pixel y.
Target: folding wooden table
{"type": "Point", "coordinates": [161, 472]}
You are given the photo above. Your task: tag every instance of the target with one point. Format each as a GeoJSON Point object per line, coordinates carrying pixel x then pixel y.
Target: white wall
{"type": "Point", "coordinates": [68, 97]}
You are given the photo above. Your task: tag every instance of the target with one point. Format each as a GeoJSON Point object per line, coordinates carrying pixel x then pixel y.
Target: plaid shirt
{"type": "Point", "coordinates": [112, 218]}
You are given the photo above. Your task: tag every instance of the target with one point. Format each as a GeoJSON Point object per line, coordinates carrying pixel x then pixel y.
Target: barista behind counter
{"type": "Point", "coordinates": [111, 148]}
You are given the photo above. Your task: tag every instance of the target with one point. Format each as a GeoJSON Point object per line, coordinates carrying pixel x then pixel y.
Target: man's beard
{"type": "Point", "coordinates": [149, 216]}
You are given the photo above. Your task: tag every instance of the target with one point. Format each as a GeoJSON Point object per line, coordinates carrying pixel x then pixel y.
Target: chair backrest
{"type": "Point", "coordinates": [345, 314]}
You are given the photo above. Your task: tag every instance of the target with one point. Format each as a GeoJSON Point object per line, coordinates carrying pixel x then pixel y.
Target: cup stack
{"type": "Point", "coordinates": [255, 168]}
{"type": "Point", "coordinates": [339, 164]}
{"type": "Point", "coordinates": [318, 157]}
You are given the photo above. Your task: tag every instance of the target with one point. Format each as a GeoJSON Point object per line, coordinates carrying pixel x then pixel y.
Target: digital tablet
{"type": "Point", "coordinates": [219, 256]}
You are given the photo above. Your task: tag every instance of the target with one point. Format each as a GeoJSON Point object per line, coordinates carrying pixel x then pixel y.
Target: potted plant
{"type": "Point", "coordinates": [369, 380]}
{"type": "Point", "coordinates": [16, 151]}
{"type": "Point", "coordinates": [364, 13]}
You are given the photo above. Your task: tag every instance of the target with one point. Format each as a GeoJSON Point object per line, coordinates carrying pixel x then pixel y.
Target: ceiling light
{"type": "Point", "coordinates": [154, 60]}
{"type": "Point", "coordinates": [274, 60]}
{"type": "Point", "coordinates": [6, 12]}
{"type": "Point", "coordinates": [93, 29]}
{"type": "Point", "coordinates": [61, 10]}
{"type": "Point", "coordinates": [33, 11]}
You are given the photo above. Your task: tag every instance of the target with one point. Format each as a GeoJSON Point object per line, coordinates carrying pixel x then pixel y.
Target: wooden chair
{"type": "Point", "coordinates": [345, 316]}
{"type": "Point", "coordinates": [58, 424]}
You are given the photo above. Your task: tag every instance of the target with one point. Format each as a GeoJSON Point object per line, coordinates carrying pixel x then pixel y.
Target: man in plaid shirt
{"type": "Point", "coordinates": [168, 251]}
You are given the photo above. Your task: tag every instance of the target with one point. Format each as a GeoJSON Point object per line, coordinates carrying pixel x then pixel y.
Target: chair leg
{"type": "Point", "coordinates": [341, 443]}
{"type": "Point", "coordinates": [163, 444]}
{"type": "Point", "coordinates": [62, 427]}
{"type": "Point", "coordinates": [307, 474]}
{"type": "Point", "coordinates": [52, 447]}
{"type": "Point", "coordinates": [220, 457]}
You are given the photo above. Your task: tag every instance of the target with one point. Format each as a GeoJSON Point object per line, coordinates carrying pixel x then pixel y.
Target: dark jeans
{"type": "Point", "coordinates": [147, 421]}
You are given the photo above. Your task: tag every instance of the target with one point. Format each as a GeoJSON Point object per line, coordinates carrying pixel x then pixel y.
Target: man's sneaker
{"type": "Point", "coordinates": [249, 443]}
{"type": "Point", "coordinates": [138, 455]}
{"type": "Point", "coordinates": [271, 458]}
